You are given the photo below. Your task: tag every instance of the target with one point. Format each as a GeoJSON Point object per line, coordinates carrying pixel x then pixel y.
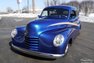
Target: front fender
{"type": "Point", "coordinates": [20, 34]}
{"type": "Point", "coordinates": [21, 30]}
{"type": "Point", "coordinates": [47, 37]}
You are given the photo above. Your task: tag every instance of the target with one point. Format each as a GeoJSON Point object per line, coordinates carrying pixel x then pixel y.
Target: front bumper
{"type": "Point", "coordinates": [39, 54]}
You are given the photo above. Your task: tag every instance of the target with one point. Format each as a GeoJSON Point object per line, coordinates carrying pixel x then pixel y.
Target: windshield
{"type": "Point", "coordinates": [55, 13]}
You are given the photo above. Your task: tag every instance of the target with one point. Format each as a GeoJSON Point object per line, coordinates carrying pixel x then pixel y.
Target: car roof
{"type": "Point", "coordinates": [63, 6]}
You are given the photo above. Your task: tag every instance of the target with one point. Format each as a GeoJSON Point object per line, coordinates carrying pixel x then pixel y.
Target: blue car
{"type": "Point", "coordinates": [50, 35]}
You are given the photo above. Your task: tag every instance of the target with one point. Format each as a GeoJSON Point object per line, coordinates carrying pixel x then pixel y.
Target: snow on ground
{"type": "Point", "coordinates": [20, 15]}
{"type": "Point", "coordinates": [89, 18]}
{"type": "Point", "coordinates": [91, 15]}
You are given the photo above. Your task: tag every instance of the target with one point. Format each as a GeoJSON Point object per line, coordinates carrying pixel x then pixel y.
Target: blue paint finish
{"type": "Point", "coordinates": [38, 35]}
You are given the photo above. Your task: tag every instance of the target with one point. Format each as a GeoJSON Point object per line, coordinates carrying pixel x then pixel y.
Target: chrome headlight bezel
{"type": "Point", "coordinates": [14, 33]}
{"type": "Point", "coordinates": [58, 40]}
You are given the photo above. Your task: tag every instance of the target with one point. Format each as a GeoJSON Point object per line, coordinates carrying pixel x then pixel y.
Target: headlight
{"type": "Point", "coordinates": [58, 40]}
{"type": "Point", "coordinates": [13, 33]}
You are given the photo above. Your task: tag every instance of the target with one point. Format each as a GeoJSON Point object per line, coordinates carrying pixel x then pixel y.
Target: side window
{"type": "Point", "coordinates": [72, 14]}
{"type": "Point", "coordinates": [45, 13]}
{"type": "Point", "coordinates": [65, 13]}
{"type": "Point", "coordinates": [53, 12]}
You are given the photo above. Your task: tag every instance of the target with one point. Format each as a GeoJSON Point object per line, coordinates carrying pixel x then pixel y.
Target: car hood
{"type": "Point", "coordinates": [35, 28]}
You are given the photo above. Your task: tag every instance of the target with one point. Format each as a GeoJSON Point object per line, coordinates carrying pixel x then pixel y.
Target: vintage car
{"type": "Point", "coordinates": [49, 35]}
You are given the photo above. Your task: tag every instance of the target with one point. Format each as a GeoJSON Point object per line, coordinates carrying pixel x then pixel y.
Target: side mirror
{"type": "Point", "coordinates": [39, 16]}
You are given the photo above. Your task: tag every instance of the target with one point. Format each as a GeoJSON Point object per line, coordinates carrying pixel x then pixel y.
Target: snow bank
{"type": "Point", "coordinates": [89, 18]}
{"type": "Point", "coordinates": [86, 19]}
{"type": "Point", "coordinates": [91, 15]}
{"type": "Point", "coordinates": [20, 15]}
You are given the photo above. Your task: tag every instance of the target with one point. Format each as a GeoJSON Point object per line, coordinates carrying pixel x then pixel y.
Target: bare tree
{"type": "Point", "coordinates": [47, 3]}
{"type": "Point", "coordinates": [55, 2]}
{"type": "Point", "coordinates": [87, 7]}
{"type": "Point", "coordinates": [86, 10]}
{"type": "Point", "coordinates": [25, 9]}
{"type": "Point", "coordinates": [9, 10]}
{"type": "Point", "coordinates": [74, 3]}
{"type": "Point", "coordinates": [52, 2]}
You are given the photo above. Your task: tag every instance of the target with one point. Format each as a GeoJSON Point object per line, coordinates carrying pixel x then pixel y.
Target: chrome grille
{"type": "Point", "coordinates": [32, 43]}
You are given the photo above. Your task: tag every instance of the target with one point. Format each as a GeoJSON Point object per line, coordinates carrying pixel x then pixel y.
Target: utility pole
{"type": "Point", "coordinates": [18, 8]}
{"type": "Point", "coordinates": [18, 2]}
{"type": "Point", "coordinates": [33, 6]}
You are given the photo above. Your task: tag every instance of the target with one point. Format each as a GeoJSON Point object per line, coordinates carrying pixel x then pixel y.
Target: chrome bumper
{"type": "Point", "coordinates": [39, 54]}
